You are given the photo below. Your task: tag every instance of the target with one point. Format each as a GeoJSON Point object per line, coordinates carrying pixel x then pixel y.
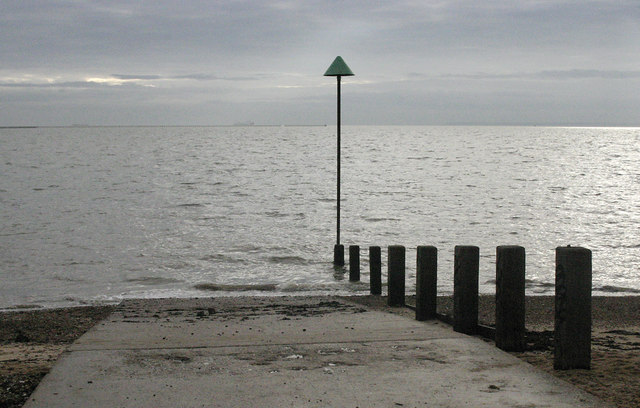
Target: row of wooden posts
{"type": "Point", "coordinates": [572, 335]}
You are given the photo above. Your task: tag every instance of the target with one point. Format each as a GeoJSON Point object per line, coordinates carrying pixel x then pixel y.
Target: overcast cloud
{"type": "Point", "coordinates": [548, 62]}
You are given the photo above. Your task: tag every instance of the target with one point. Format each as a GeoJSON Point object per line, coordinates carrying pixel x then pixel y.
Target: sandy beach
{"type": "Point", "coordinates": [33, 340]}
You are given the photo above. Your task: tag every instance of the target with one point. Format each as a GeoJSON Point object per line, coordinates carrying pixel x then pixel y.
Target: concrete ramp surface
{"type": "Point", "coordinates": [288, 352]}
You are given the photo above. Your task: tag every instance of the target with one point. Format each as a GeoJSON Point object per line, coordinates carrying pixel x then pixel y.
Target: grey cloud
{"type": "Point", "coordinates": [68, 84]}
{"type": "Point", "coordinates": [588, 74]}
{"type": "Point", "coordinates": [196, 77]}
{"type": "Point", "coordinates": [548, 75]}
{"type": "Point", "coordinates": [209, 77]}
{"type": "Point", "coordinates": [134, 77]}
{"type": "Point", "coordinates": [73, 84]}
{"type": "Point", "coordinates": [131, 81]}
{"type": "Point", "coordinates": [234, 50]}
{"type": "Point", "coordinates": [227, 32]}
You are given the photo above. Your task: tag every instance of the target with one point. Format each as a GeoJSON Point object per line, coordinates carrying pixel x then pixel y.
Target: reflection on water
{"type": "Point", "coordinates": [105, 213]}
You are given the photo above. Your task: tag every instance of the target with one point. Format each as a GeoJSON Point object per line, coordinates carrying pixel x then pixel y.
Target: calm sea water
{"type": "Point", "coordinates": [100, 214]}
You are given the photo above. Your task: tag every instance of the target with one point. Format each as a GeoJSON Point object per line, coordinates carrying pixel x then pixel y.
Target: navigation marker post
{"type": "Point", "coordinates": [338, 69]}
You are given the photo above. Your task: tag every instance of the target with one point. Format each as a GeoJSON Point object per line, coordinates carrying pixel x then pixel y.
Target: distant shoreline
{"type": "Point", "coordinates": [155, 126]}
{"type": "Point", "coordinates": [316, 125]}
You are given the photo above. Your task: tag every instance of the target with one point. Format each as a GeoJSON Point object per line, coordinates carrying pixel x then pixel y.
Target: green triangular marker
{"type": "Point", "coordinates": [338, 68]}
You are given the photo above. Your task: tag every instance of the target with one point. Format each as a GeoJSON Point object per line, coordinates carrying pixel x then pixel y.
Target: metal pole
{"type": "Point", "coordinates": [338, 68]}
{"type": "Point", "coordinates": [338, 250]}
{"type": "Point", "coordinates": [338, 198]}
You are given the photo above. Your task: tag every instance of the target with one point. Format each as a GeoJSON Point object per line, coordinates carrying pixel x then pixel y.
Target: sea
{"type": "Point", "coordinates": [93, 215]}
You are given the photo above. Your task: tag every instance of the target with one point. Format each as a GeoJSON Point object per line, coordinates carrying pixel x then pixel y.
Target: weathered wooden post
{"type": "Point", "coordinates": [354, 263]}
{"type": "Point", "coordinates": [375, 270]}
{"type": "Point", "coordinates": [426, 282]}
{"type": "Point", "coordinates": [510, 298]}
{"type": "Point", "coordinates": [465, 289]}
{"type": "Point", "coordinates": [573, 309]}
{"type": "Point", "coordinates": [396, 275]}
{"type": "Point", "coordinates": [338, 255]}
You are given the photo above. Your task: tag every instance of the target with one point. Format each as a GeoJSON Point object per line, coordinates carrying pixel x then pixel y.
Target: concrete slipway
{"type": "Point", "coordinates": [288, 352]}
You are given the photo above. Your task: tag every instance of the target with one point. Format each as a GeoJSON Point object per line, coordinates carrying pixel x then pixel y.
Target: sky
{"type": "Point", "coordinates": [221, 62]}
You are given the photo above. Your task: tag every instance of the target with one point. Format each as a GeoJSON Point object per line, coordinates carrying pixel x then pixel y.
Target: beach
{"type": "Point", "coordinates": [33, 340]}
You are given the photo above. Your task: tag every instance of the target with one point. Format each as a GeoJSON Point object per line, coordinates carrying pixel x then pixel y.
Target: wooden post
{"type": "Point", "coordinates": [375, 270]}
{"type": "Point", "coordinates": [510, 298]}
{"type": "Point", "coordinates": [354, 263]}
{"type": "Point", "coordinates": [338, 255]}
{"type": "Point", "coordinates": [396, 275]}
{"type": "Point", "coordinates": [573, 309]}
{"type": "Point", "coordinates": [465, 289]}
{"type": "Point", "coordinates": [426, 282]}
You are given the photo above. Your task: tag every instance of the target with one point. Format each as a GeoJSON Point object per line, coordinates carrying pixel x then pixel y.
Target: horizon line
{"type": "Point", "coordinates": [326, 125]}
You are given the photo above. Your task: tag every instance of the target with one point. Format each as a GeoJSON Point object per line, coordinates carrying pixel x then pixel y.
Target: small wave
{"type": "Point", "coordinates": [289, 260]}
{"type": "Point", "coordinates": [248, 248]}
{"type": "Point", "coordinates": [190, 205]}
{"type": "Point", "coordinates": [152, 280]}
{"type": "Point", "coordinates": [68, 279]}
{"type": "Point", "coordinates": [380, 219]}
{"type": "Point", "coordinates": [275, 214]}
{"type": "Point", "coordinates": [211, 218]}
{"type": "Point", "coordinates": [76, 263]}
{"type": "Point", "coordinates": [267, 287]}
{"type": "Point", "coordinates": [615, 289]}
{"type": "Point", "coordinates": [545, 286]}
{"type": "Point", "coordinates": [352, 287]}
{"type": "Point", "coordinates": [623, 246]}
{"type": "Point", "coordinates": [17, 233]}
{"type": "Point", "coordinates": [176, 265]}
{"type": "Point", "coordinates": [531, 283]}
{"type": "Point", "coordinates": [23, 307]}
{"type": "Point", "coordinates": [223, 258]}
{"type": "Point", "coordinates": [303, 287]}
{"type": "Point", "coordinates": [77, 300]}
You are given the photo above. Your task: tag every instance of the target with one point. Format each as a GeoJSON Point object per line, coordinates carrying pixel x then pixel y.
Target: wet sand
{"type": "Point", "coordinates": [31, 342]}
